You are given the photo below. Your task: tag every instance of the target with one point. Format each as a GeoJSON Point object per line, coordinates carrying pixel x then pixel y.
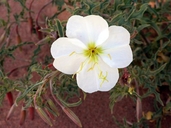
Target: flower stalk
{"type": "Point", "coordinates": [138, 104]}
{"type": "Point", "coordinates": [39, 33]}
{"type": "Point", "coordinates": [30, 19]}
{"type": "Point", "coordinates": [67, 111]}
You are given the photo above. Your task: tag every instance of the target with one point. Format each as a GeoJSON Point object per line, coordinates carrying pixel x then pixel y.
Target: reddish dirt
{"type": "Point", "coordinates": [94, 112]}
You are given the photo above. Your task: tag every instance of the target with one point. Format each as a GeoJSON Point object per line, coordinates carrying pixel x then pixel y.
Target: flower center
{"type": "Point", "coordinates": [93, 52]}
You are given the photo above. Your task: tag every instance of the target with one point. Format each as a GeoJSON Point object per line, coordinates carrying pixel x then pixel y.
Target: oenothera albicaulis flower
{"type": "Point", "coordinates": [93, 51]}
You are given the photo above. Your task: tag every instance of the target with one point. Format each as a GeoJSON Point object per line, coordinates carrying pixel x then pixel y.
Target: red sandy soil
{"type": "Point", "coordinates": [94, 112]}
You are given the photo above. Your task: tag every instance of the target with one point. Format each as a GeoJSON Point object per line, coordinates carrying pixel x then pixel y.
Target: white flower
{"type": "Point", "coordinates": [93, 51]}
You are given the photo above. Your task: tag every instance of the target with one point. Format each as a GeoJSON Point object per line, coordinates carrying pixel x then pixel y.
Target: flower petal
{"type": "Point", "coordinates": [87, 29]}
{"type": "Point", "coordinates": [68, 64]}
{"type": "Point", "coordinates": [111, 75]}
{"type": "Point", "coordinates": [88, 80]}
{"type": "Point", "coordinates": [118, 57]}
{"type": "Point", "coordinates": [97, 77]}
{"type": "Point", "coordinates": [118, 36]}
{"type": "Point", "coordinates": [97, 28]}
{"type": "Point", "coordinates": [67, 54]}
{"type": "Point", "coordinates": [76, 28]}
{"type": "Point", "coordinates": [66, 46]}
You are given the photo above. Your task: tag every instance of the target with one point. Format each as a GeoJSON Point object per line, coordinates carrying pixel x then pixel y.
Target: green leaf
{"type": "Point", "coordinates": [22, 3]}
{"type": "Point", "coordinates": [27, 91]}
{"type": "Point", "coordinates": [69, 104]}
{"type": "Point", "coordinates": [158, 70]}
{"type": "Point", "coordinates": [104, 4]}
{"type": "Point", "coordinates": [116, 19]}
{"type": "Point", "coordinates": [60, 28]}
{"type": "Point", "coordinates": [141, 27]}
{"type": "Point", "coordinates": [91, 6]}
{"type": "Point", "coordinates": [138, 14]}
{"type": "Point", "coordinates": [156, 27]}
{"type": "Point", "coordinates": [59, 3]}
{"type": "Point", "coordinates": [152, 90]}
{"type": "Point", "coordinates": [116, 94]}
{"type": "Point", "coordinates": [167, 108]}
{"type": "Point", "coordinates": [2, 22]}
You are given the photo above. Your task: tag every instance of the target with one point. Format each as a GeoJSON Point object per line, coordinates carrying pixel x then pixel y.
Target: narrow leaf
{"type": "Point", "coordinates": [60, 28]}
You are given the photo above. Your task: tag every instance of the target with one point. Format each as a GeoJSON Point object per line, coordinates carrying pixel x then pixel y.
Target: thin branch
{"type": "Point", "coordinates": [41, 10]}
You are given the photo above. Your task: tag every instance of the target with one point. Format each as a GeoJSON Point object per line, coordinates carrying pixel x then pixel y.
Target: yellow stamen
{"type": "Point", "coordinates": [93, 52]}
{"type": "Point", "coordinates": [72, 53]}
{"type": "Point", "coordinates": [73, 75]}
{"type": "Point", "coordinates": [91, 68]}
{"type": "Point", "coordinates": [103, 77]}
{"type": "Point", "coordinates": [81, 67]}
{"type": "Point", "coordinates": [109, 56]}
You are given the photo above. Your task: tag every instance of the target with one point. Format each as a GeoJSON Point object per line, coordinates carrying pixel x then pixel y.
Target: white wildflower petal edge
{"type": "Point", "coordinates": [87, 29]}
{"type": "Point", "coordinates": [118, 36]}
{"type": "Point", "coordinates": [66, 46]}
{"type": "Point", "coordinates": [97, 77]}
{"type": "Point", "coordinates": [67, 55]}
{"type": "Point", "coordinates": [118, 57]}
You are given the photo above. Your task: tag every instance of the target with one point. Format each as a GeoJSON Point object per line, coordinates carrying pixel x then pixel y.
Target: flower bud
{"type": "Point", "coordinates": [50, 65]}
{"type": "Point", "coordinates": [139, 109]}
{"type": "Point", "coordinates": [10, 98]}
{"type": "Point", "coordinates": [30, 22]}
{"type": "Point", "coordinates": [125, 79]}
{"type": "Point", "coordinates": [19, 41]}
{"type": "Point", "coordinates": [149, 115]}
{"type": "Point", "coordinates": [39, 33]}
{"type": "Point", "coordinates": [31, 112]}
{"type": "Point", "coordinates": [43, 115]}
{"type": "Point", "coordinates": [72, 116]}
{"type": "Point", "coordinates": [47, 66]}
{"type": "Point", "coordinates": [50, 114]}
{"type": "Point", "coordinates": [131, 90]}
{"type": "Point", "coordinates": [53, 107]}
{"type": "Point", "coordinates": [22, 116]}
